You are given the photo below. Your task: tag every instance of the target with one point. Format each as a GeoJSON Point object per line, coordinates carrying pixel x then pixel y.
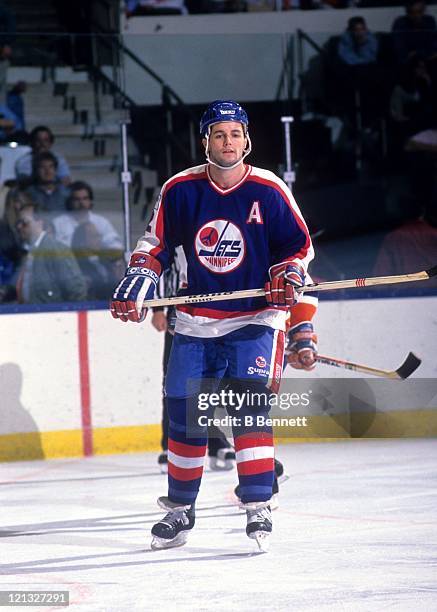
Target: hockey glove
{"type": "Point", "coordinates": [280, 290]}
{"type": "Point", "coordinates": [301, 350]}
{"type": "Point", "coordinates": [139, 284]}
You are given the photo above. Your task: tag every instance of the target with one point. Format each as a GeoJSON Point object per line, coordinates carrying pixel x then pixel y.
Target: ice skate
{"type": "Point", "coordinates": [259, 523]}
{"type": "Point", "coordinates": [163, 462]}
{"type": "Point", "coordinates": [280, 472]}
{"type": "Point", "coordinates": [172, 530]}
{"type": "Point", "coordinates": [224, 459]}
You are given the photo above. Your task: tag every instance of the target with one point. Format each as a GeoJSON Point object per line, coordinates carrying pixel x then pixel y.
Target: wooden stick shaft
{"type": "Point", "coordinates": [356, 367]}
{"type": "Point", "coordinates": [252, 293]}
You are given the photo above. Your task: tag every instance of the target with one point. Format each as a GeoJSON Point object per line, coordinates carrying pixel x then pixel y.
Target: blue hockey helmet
{"type": "Point", "coordinates": [223, 110]}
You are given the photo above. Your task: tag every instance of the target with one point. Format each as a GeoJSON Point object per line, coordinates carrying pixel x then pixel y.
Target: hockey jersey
{"type": "Point", "coordinates": [229, 238]}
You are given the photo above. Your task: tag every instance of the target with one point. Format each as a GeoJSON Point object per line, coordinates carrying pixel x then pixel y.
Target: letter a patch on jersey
{"type": "Point", "coordinates": [255, 214]}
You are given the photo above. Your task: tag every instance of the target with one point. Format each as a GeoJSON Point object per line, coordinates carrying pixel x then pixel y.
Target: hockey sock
{"type": "Point", "coordinates": [186, 454]}
{"type": "Point", "coordinates": [254, 453]}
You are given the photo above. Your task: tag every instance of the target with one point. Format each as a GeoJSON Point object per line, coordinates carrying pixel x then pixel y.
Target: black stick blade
{"type": "Point", "coordinates": [410, 365]}
{"type": "Point", "coordinates": [432, 271]}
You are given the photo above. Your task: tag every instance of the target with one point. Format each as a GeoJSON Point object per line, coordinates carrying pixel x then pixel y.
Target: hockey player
{"type": "Point", "coordinates": [239, 227]}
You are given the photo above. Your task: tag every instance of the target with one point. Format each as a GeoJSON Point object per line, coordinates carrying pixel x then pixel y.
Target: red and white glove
{"type": "Point", "coordinates": [280, 290]}
{"type": "Point", "coordinates": [138, 285]}
{"type": "Point", "coordinates": [301, 350]}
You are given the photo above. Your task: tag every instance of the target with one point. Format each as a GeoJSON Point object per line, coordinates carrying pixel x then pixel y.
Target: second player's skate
{"type": "Point", "coordinates": [172, 530]}
{"type": "Point", "coordinates": [224, 459]}
{"type": "Point", "coordinates": [163, 462]}
{"type": "Point", "coordinates": [259, 523]}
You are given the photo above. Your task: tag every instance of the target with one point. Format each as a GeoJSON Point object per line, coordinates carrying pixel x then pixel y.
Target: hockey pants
{"type": "Point", "coordinates": [249, 361]}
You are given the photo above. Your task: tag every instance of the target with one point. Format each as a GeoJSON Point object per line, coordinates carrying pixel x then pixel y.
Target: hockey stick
{"type": "Point", "coordinates": [410, 365]}
{"type": "Point", "coordinates": [330, 285]}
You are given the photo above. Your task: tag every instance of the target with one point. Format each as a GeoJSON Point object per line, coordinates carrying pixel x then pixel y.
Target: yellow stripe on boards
{"type": "Point", "coordinates": [41, 445]}
{"type": "Point", "coordinates": [144, 438]}
{"type": "Point", "coordinates": [133, 439]}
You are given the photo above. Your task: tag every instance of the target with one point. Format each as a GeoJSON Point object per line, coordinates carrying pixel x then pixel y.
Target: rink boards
{"type": "Point", "coordinates": [79, 383]}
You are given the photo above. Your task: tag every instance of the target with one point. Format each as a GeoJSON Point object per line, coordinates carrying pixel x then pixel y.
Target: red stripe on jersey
{"type": "Point", "coordinates": [185, 177]}
{"type": "Point", "coordinates": [253, 439]}
{"type": "Point", "coordinates": [304, 250]}
{"type": "Point", "coordinates": [256, 466]}
{"type": "Point", "coordinates": [221, 314]}
{"type": "Point", "coordinates": [159, 231]}
{"type": "Point", "coordinates": [278, 362]}
{"type": "Point", "coordinates": [184, 473]}
{"type": "Point", "coordinates": [186, 450]}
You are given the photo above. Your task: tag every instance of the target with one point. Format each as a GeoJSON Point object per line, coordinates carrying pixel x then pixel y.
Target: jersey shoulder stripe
{"type": "Point", "coordinates": [268, 178]}
{"type": "Point", "coordinates": [189, 174]}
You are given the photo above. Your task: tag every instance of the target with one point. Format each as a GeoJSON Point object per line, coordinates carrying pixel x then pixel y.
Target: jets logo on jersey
{"type": "Point", "coordinates": [220, 246]}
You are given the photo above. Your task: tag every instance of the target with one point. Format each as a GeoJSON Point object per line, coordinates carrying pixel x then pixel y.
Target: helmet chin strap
{"type": "Point", "coordinates": [237, 163]}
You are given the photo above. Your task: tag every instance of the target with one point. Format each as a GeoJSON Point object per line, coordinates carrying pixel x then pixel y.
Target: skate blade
{"type": "Point", "coordinates": [283, 478]}
{"type": "Point", "coordinates": [262, 539]}
{"type": "Point", "coordinates": [217, 465]}
{"type": "Point", "coordinates": [162, 543]}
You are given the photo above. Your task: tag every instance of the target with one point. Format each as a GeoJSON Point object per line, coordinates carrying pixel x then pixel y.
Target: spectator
{"type": "Point", "coordinates": [15, 200]}
{"type": "Point", "coordinates": [9, 123]}
{"type": "Point", "coordinates": [79, 205]}
{"type": "Point", "coordinates": [41, 141]}
{"type": "Point", "coordinates": [10, 254]}
{"type": "Point", "coordinates": [46, 190]}
{"type": "Point", "coordinates": [49, 272]}
{"type": "Point", "coordinates": [412, 101]}
{"type": "Point", "coordinates": [93, 261]}
{"type": "Point", "coordinates": [15, 103]}
{"type": "Point", "coordinates": [415, 33]}
{"type": "Point", "coordinates": [409, 248]}
{"type": "Point", "coordinates": [358, 46]}
{"type": "Point", "coordinates": [11, 251]}
{"type": "Point", "coordinates": [359, 74]}
{"type": "Point", "coordinates": [7, 38]}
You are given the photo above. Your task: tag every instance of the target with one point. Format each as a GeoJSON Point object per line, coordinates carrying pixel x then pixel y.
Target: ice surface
{"type": "Point", "coordinates": [356, 530]}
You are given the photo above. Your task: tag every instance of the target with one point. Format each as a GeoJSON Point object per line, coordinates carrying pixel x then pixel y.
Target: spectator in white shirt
{"type": "Point", "coordinates": [79, 210]}
{"type": "Point", "coordinates": [41, 141]}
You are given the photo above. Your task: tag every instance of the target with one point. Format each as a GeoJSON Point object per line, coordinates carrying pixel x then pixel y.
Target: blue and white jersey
{"type": "Point", "coordinates": [230, 238]}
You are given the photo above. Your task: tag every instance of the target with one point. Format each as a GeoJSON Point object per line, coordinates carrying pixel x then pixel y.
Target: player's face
{"type": "Point", "coordinates": [226, 143]}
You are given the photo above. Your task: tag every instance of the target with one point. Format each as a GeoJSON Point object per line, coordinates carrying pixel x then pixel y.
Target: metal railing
{"type": "Point", "coordinates": [112, 47]}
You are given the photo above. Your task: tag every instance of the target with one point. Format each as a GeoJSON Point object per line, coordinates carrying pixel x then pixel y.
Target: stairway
{"type": "Point", "coordinates": [91, 147]}
{"type": "Point", "coordinates": [61, 95]}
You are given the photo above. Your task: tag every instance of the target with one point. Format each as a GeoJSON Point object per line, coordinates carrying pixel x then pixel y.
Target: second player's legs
{"type": "Point", "coordinates": [168, 341]}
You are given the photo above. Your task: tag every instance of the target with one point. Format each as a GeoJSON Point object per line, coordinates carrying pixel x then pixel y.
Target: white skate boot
{"type": "Point", "coordinates": [259, 523]}
{"type": "Point", "coordinates": [173, 529]}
